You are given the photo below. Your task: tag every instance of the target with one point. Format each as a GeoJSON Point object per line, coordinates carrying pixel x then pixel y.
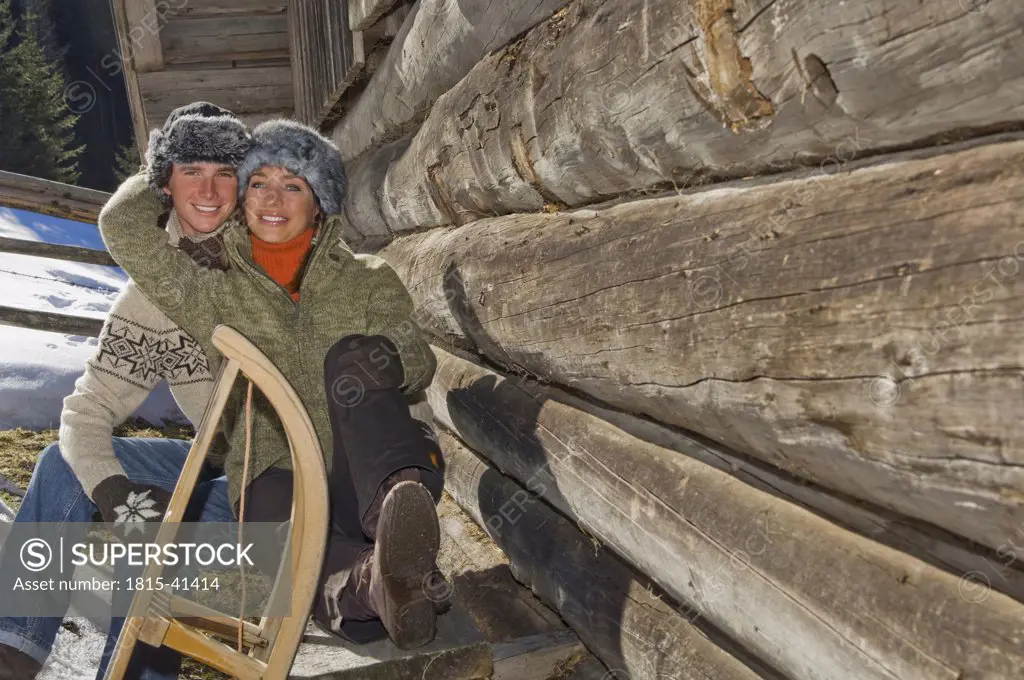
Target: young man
{"type": "Point", "coordinates": [191, 164]}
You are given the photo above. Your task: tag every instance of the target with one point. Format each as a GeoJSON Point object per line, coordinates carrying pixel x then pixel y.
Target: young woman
{"type": "Point", "coordinates": [339, 327]}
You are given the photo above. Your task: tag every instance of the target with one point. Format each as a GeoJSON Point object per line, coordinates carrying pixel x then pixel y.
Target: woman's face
{"type": "Point", "coordinates": [278, 205]}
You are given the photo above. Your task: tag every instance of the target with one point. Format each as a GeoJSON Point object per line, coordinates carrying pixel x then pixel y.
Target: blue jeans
{"type": "Point", "coordinates": [55, 495]}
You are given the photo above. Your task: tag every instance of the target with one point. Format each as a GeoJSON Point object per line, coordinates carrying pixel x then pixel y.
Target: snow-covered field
{"type": "Point", "coordinates": [38, 369]}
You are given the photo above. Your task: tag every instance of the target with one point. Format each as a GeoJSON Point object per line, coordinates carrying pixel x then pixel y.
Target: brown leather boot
{"type": "Point", "coordinates": [404, 560]}
{"type": "Point", "coordinates": [17, 665]}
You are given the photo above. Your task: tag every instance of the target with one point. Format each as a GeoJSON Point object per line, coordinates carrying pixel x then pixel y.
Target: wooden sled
{"type": "Point", "coordinates": [185, 626]}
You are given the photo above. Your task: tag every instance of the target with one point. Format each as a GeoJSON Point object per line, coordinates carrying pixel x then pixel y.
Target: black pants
{"type": "Point", "coordinates": [373, 438]}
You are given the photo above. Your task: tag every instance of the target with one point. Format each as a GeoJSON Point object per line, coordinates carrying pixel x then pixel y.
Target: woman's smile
{"type": "Point", "coordinates": [279, 206]}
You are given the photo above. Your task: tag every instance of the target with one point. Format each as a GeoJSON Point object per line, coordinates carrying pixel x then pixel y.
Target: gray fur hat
{"type": "Point", "coordinates": [198, 133]}
{"type": "Point", "coordinates": [303, 151]}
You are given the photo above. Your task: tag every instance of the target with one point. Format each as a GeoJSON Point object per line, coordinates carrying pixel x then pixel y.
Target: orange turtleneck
{"type": "Point", "coordinates": [283, 261]}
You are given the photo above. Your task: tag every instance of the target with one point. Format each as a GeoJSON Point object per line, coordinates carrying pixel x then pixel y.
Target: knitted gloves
{"type": "Point", "coordinates": [121, 501]}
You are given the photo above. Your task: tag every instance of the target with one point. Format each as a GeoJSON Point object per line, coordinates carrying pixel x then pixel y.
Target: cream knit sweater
{"type": "Point", "coordinates": [139, 347]}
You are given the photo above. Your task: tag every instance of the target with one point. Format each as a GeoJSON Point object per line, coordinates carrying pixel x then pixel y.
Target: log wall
{"type": "Point", "coordinates": [651, 78]}
{"type": "Point", "coordinates": [808, 598]}
{"type": "Point", "coordinates": [754, 265]}
{"type": "Point", "coordinates": [857, 330]}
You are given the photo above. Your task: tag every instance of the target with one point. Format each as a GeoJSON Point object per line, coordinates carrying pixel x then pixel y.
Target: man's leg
{"type": "Point", "coordinates": [55, 495]}
{"type": "Point", "coordinates": [209, 503]}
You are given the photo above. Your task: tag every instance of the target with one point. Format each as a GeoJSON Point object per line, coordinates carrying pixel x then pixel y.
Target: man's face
{"type": "Point", "coordinates": [203, 194]}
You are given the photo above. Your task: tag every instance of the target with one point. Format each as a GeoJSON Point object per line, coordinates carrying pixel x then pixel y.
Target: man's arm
{"type": "Point", "coordinates": [185, 291]}
{"type": "Point", "coordinates": [389, 312]}
{"type": "Point", "coordinates": [105, 395]}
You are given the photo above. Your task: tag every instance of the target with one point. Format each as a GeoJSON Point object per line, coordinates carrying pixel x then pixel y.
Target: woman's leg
{"type": "Point", "coordinates": [393, 469]}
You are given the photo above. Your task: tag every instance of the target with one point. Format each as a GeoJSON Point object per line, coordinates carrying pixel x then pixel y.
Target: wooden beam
{"type": "Point", "coordinates": [626, 625]}
{"type": "Point", "coordinates": [740, 314]}
{"type": "Point", "coordinates": [50, 198]}
{"type": "Point", "coordinates": [57, 252]}
{"type": "Point", "coordinates": [807, 597]}
{"type": "Point", "coordinates": [140, 124]}
{"type": "Point", "coordinates": [551, 121]}
{"type": "Point", "coordinates": [48, 321]}
{"type": "Point", "coordinates": [364, 13]}
{"type": "Point", "coordinates": [242, 90]}
{"type": "Point", "coordinates": [143, 33]}
{"type": "Point", "coordinates": [439, 43]}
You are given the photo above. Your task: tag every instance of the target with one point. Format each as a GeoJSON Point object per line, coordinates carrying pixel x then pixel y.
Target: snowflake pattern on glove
{"type": "Point", "coordinates": [136, 511]}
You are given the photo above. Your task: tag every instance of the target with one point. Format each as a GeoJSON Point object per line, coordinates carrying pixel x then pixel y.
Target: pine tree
{"type": "Point", "coordinates": [36, 128]}
{"type": "Point", "coordinates": [127, 161]}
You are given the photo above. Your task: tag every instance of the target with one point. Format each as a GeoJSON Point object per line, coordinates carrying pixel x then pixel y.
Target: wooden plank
{"type": "Point", "coordinates": [48, 321]}
{"type": "Point", "coordinates": [224, 27]}
{"type": "Point", "coordinates": [172, 80]}
{"type": "Point", "coordinates": [58, 252]}
{"type": "Point", "coordinates": [739, 314]}
{"type": "Point", "coordinates": [386, 29]}
{"type": "Point", "coordinates": [553, 121]}
{"type": "Point", "coordinates": [456, 653]}
{"type": "Point", "coordinates": [616, 615]}
{"type": "Point", "coordinates": [537, 657]}
{"type": "Point", "coordinates": [809, 598]}
{"type": "Point", "coordinates": [364, 13]}
{"type": "Point", "coordinates": [144, 24]}
{"type": "Point", "coordinates": [211, 39]}
{"type": "Point", "coordinates": [50, 198]}
{"type": "Point", "coordinates": [439, 43]}
{"type": "Point", "coordinates": [226, 8]}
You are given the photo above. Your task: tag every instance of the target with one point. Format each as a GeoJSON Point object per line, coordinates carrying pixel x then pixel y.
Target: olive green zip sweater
{"type": "Point", "coordinates": [340, 294]}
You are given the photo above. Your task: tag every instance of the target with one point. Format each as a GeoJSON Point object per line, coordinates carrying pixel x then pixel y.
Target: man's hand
{"type": "Point", "coordinates": [122, 501]}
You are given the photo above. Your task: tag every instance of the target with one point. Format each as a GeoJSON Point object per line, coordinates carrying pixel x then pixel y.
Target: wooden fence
{"type": "Point", "coordinates": [58, 200]}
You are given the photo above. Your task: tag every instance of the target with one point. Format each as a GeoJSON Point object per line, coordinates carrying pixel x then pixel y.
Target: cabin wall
{"type": "Point", "coordinates": [694, 267]}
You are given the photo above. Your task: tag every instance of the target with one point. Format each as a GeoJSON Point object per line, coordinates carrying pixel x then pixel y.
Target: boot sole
{"type": "Point", "coordinates": [408, 555]}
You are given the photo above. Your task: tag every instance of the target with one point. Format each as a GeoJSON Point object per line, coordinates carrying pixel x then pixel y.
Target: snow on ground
{"type": "Point", "coordinates": [38, 369]}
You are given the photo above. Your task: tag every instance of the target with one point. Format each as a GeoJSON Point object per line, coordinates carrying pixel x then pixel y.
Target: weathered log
{"type": "Point", "coordinates": [48, 321]}
{"type": "Point", "coordinates": [620, 97]}
{"type": "Point", "coordinates": [806, 596]}
{"type": "Point", "coordinates": [362, 14]}
{"type": "Point", "coordinates": [617, 617]}
{"type": "Point", "coordinates": [50, 198]}
{"type": "Point", "coordinates": [937, 547]}
{"type": "Point", "coordinates": [440, 41]}
{"type": "Point", "coordinates": [858, 330]}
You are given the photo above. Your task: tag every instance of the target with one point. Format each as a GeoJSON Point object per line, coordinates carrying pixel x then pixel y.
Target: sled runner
{"type": "Point", "coordinates": [170, 621]}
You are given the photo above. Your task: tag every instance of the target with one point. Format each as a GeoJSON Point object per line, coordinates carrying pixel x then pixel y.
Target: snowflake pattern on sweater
{"type": "Point", "coordinates": [143, 355]}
